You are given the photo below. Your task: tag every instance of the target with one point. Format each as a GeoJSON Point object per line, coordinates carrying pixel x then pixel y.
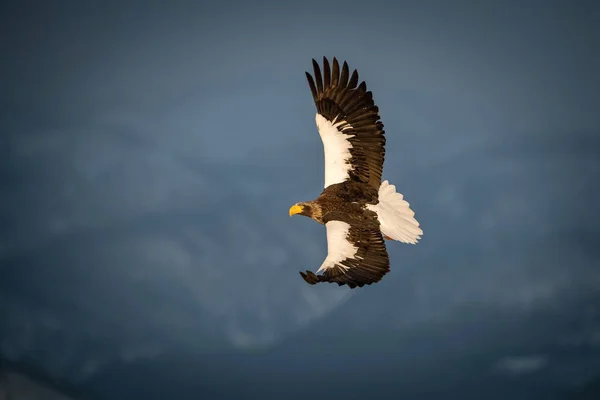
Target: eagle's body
{"type": "Point", "coordinates": [357, 209]}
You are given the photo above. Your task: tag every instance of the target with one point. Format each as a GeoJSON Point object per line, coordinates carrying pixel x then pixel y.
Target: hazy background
{"type": "Point", "coordinates": [149, 152]}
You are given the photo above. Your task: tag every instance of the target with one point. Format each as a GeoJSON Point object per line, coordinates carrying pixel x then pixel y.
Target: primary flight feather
{"type": "Point", "coordinates": [356, 207]}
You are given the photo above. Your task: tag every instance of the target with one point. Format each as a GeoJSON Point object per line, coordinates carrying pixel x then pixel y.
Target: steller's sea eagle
{"type": "Point", "coordinates": [356, 207]}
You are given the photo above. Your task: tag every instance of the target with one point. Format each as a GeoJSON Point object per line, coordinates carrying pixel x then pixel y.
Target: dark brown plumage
{"type": "Point", "coordinates": [338, 98]}
{"type": "Point", "coordinates": [346, 202]}
{"type": "Point", "coordinates": [346, 198]}
{"type": "Point", "coordinates": [355, 144]}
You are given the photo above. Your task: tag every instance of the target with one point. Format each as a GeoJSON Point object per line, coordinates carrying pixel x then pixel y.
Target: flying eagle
{"type": "Point", "coordinates": [356, 207]}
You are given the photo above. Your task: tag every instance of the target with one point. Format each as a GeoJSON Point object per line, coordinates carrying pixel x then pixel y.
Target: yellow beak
{"type": "Point", "coordinates": [295, 209]}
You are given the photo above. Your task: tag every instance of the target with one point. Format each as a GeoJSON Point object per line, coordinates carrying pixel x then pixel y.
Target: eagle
{"type": "Point", "coordinates": [358, 210]}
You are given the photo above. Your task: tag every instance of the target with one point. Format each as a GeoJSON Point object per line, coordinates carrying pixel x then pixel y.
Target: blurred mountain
{"type": "Point", "coordinates": [480, 351]}
{"type": "Point", "coordinates": [26, 380]}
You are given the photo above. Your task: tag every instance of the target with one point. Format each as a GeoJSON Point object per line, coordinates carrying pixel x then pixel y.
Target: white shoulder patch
{"type": "Point", "coordinates": [338, 246]}
{"type": "Point", "coordinates": [337, 149]}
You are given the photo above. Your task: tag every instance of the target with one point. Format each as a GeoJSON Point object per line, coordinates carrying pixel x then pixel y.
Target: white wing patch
{"type": "Point", "coordinates": [337, 149]}
{"type": "Point", "coordinates": [395, 215]}
{"type": "Point", "coordinates": [338, 246]}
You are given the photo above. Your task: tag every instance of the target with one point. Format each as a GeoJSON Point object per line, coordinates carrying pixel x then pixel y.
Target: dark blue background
{"type": "Point", "coordinates": [149, 152]}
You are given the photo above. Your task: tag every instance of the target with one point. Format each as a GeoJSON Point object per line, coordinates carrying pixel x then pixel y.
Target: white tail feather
{"type": "Point", "coordinates": [395, 216]}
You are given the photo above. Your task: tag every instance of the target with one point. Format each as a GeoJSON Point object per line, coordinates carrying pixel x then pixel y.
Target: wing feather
{"type": "Point", "coordinates": [318, 77]}
{"type": "Point", "coordinates": [311, 83]}
{"type": "Point", "coordinates": [356, 255]}
{"type": "Point", "coordinates": [335, 72]}
{"type": "Point", "coordinates": [353, 80]}
{"type": "Point", "coordinates": [326, 73]}
{"type": "Point", "coordinates": [344, 77]}
{"type": "Point", "coordinates": [348, 122]}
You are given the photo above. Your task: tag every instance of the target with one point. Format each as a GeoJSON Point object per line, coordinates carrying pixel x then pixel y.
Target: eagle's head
{"type": "Point", "coordinates": [308, 209]}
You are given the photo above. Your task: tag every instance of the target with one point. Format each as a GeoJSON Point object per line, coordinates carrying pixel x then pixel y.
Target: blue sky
{"type": "Point", "coordinates": [150, 152]}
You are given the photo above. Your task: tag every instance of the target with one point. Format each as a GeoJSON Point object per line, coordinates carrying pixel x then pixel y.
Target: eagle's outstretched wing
{"type": "Point", "coordinates": [348, 122]}
{"type": "Point", "coordinates": [356, 254]}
